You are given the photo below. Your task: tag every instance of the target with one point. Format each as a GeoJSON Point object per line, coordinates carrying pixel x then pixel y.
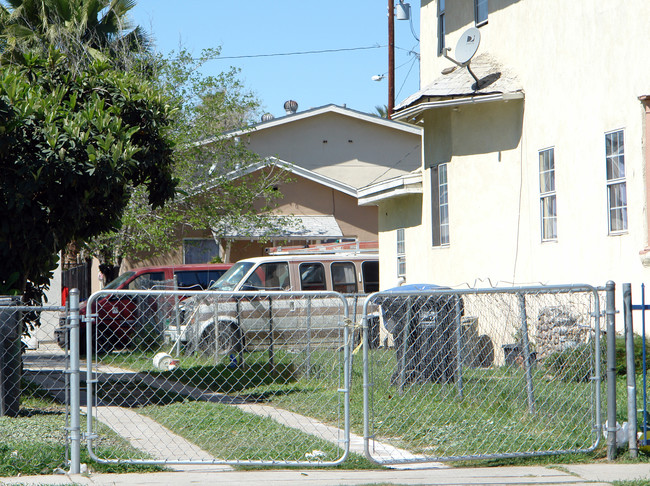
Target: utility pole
{"type": "Point", "coordinates": [391, 60]}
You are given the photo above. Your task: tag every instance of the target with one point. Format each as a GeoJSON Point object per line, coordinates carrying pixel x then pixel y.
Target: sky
{"type": "Point", "coordinates": [357, 32]}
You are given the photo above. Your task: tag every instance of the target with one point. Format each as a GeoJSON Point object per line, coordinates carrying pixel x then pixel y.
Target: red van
{"type": "Point", "coordinates": [116, 315]}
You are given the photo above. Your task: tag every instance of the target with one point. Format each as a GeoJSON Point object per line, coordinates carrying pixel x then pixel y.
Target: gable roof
{"type": "Point", "coordinates": [296, 170]}
{"type": "Point", "coordinates": [313, 112]}
{"type": "Point", "coordinates": [496, 83]}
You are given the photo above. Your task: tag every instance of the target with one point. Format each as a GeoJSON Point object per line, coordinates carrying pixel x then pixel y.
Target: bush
{"type": "Point", "coordinates": [621, 361]}
{"type": "Point", "coordinates": [572, 364]}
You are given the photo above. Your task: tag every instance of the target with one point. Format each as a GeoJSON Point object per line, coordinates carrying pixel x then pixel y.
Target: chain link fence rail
{"type": "Point", "coordinates": [471, 374]}
{"type": "Point", "coordinates": [256, 378]}
{"type": "Point", "coordinates": [34, 388]}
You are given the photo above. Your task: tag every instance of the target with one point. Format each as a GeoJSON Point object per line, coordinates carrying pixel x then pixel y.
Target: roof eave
{"type": "Point", "coordinates": [415, 110]}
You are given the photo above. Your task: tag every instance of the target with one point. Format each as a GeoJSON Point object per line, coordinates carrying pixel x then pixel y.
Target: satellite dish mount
{"type": "Point", "coordinates": [465, 49]}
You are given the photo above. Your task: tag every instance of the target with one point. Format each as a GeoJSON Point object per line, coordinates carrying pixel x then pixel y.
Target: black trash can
{"type": "Point", "coordinates": [425, 334]}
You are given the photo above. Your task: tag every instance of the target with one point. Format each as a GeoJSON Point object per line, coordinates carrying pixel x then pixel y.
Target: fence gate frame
{"type": "Point", "coordinates": [596, 379]}
{"type": "Point", "coordinates": [344, 324]}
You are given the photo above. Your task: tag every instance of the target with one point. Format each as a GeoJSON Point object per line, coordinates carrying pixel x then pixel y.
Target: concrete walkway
{"type": "Point", "coordinates": [574, 475]}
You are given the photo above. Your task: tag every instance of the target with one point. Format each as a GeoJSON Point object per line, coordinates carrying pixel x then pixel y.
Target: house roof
{"type": "Point", "coordinates": [403, 185]}
{"type": "Point", "coordinates": [317, 227]}
{"type": "Point", "coordinates": [331, 108]}
{"type": "Point", "coordinates": [496, 83]}
{"type": "Point", "coordinates": [299, 171]}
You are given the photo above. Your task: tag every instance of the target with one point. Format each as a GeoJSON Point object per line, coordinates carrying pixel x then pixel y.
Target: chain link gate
{"type": "Point", "coordinates": [248, 378]}
{"type": "Point", "coordinates": [34, 387]}
{"type": "Point", "coordinates": [472, 374]}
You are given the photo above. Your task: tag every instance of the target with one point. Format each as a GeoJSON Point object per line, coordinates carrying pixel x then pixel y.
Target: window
{"type": "Point", "coordinates": [197, 279]}
{"type": "Point", "coordinates": [480, 12]}
{"type": "Point", "coordinates": [344, 278]}
{"type": "Point", "coordinates": [199, 250]}
{"type": "Point", "coordinates": [269, 276]}
{"type": "Point", "coordinates": [442, 30]}
{"type": "Point", "coordinates": [146, 281]}
{"type": "Point", "coordinates": [312, 276]}
{"type": "Point", "coordinates": [370, 271]}
{"type": "Point", "coordinates": [616, 188]}
{"type": "Point", "coordinates": [439, 206]}
{"type": "Point", "coordinates": [548, 206]}
{"type": "Point", "coordinates": [401, 253]}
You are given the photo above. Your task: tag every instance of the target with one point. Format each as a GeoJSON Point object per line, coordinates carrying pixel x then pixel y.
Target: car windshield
{"type": "Point", "coordinates": [114, 284]}
{"type": "Point", "coordinates": [232, 277]}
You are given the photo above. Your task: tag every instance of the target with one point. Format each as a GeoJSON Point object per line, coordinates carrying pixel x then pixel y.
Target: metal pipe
{"type": "Point", "coordinates": [630, 369]}
{"type": "Point", "coordinates": [391, 60]}
{"type": "Point", "coordinates": [644, 367]}
{"type": "Point", "coordinates": [75, 385]}
{"type": "Point", "coordinates": [459, 348]}
{"type": "Point", "coordinates": [526, 345]}
{"type": "Point", "coordinates": [610, 311]}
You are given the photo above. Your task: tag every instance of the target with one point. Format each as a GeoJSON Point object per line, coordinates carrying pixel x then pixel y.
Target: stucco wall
{"type": "Point", "coordinates": [581, 66]}
{"type": "Point", "coordinates": [341, 147]}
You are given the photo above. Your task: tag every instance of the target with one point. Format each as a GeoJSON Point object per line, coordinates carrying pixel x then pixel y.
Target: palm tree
{"type": "Point", "coordinates": [78, 28]}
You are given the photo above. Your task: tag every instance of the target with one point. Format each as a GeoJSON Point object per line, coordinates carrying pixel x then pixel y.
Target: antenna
{"type": "Point", "coordinates": [465, 49]}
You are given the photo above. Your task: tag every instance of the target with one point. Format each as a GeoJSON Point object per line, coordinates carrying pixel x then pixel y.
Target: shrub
{"type": "Point", "coordinates": [571, 364]}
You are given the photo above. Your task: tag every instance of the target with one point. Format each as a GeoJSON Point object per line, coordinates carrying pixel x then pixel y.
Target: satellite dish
{"type": "Point", "coordinates": [467, 46]}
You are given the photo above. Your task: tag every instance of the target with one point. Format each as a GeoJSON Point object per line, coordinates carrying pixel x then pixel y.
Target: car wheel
{"type": "Point", "coordinates": [227, 339]}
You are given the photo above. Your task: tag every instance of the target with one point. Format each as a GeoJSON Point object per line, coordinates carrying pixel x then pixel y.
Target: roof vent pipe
{"type": "Point", "coordinates": [290, 107]}
{"type": "Point", "coordinates": [267, 117]}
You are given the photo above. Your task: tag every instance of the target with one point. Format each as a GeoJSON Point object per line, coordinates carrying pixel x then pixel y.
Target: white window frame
{"type": "Point", "coordinates": [616, 182]}
{"type": "Point", "coordinates": [442, 28]}
{"type": "Point", "coordinates": [443, 204]}
{"type": "Point", "coordinates": [547, 194]}
{"type": "Point", "coordinates": [401, 253]}
{"type": "Point", "coordinates": [477, 4]}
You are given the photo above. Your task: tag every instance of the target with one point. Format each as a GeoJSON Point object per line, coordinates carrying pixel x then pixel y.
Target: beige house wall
{"type": "Point", "coordinates": [344, 148]}
{"type": "Point", "coordinates": [581, 66]}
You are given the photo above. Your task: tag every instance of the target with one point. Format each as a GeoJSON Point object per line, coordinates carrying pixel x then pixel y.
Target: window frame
{"type": "Point", "coordinates": [477, 11]}
{"type": "Point", "coordinates": [442, 27]}
{"type": "Point", "coordinates": [307, 286]}
{"type": "Point", "coordinates": [401, 252]}
{"type": "Point", "coordinates": [199, 243]}
{"type": "Point", "coordinates": [344, 287]}
{"type": "Point", "coordinates": [616, 181]}
{"type": "Point", "coordinates": [440, 225]}
{"type": "Point", "coordinates": [547, 193]}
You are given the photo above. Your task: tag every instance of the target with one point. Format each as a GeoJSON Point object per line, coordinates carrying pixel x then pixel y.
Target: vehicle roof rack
{"type": "Point", "coordinates": [349, 247]}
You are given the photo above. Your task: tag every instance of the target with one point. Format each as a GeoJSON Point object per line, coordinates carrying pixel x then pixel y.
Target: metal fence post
{"type": "Point", "coordinates": [611, 370]}
{"type": "Point", "coordinates": [526, 349]}
{"type": "Point", "coordinates": [10, 357]}
{"type": "Point", "coordinates": [75, 385]}
{"type": "Point", "coordinates": [631, 372]}
{"type": "Point", "coordinates": [459, 348]}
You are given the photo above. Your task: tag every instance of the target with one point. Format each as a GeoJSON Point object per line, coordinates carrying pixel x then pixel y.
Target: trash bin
{"type": "Point", "coordinates": [425, 333]}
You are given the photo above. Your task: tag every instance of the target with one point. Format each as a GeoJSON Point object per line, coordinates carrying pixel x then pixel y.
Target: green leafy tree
{"type": "Point", "coordinates": [72, 147]}
{"type": "Point", "coordinates": [214, 192]}
{"type": "Point", "coordinates": [80, 29]}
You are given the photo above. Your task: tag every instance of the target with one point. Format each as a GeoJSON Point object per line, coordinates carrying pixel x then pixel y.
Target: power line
{"type": "Point", "coordinates": [299, 53]}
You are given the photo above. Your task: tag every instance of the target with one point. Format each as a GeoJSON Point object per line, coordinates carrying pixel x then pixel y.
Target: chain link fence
{"type": "Point", "coordinates": [284, 378]}
{"type": "Point", "coordinates": [34, 389]}
{"type": "Point", "coordinates": [484, 374]}
{"type": "Point", "coordinates": [210, 377]}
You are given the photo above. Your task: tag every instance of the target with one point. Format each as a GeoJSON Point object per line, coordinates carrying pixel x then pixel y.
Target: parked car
{"type": "Point", "coordinates": [240, 322]}
{"type": "Point", "coordinates": [117, 315]}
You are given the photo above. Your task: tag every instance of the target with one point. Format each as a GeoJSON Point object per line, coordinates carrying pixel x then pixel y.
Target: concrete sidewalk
{"type": "Point", "coordinates": [583, 474]}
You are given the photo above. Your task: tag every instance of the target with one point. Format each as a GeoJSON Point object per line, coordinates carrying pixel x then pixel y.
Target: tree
{"type": "Point", "coordinates": [72, 146]}
{"type": "Point", "coordinates": [208, 164]}
{"type": "Point", "coordinates": [80, 29]}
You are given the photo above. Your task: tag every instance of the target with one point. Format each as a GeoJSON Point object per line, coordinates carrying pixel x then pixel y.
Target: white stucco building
{"type": "Point", "coordinates": [539, 173]}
